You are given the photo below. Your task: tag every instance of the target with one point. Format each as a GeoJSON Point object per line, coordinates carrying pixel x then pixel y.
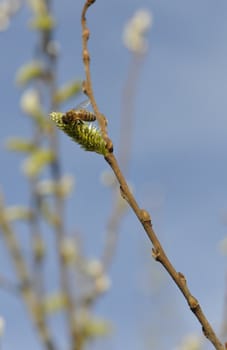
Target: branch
{"type": "Point", "coordinates": [87, 85]}
{"type": "Point", "coordinates": [56, 173]}
{"type": "Point", "coordinates": [142, 215]}
{"type": "Point", "coordinates": [124, 154]}
{"type": "Point", "coordinates": [25, 280]}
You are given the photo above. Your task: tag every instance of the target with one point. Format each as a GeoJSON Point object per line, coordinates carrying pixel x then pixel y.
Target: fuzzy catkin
{"type": "Point", "coordinates": [85, 134]}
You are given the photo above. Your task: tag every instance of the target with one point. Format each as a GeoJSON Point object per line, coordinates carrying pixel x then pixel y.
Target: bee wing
{"type": "Point", "coordinates": [83, 104]}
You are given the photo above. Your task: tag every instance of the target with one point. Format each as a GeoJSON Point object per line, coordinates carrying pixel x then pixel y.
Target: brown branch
{"type": "Point", "coordinates": [87, 86]}
{"type": "Point", "coordinates": [143, 216]}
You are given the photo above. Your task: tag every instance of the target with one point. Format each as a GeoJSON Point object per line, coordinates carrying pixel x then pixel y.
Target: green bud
{"type": "Point", "coordinates": [95, 327]}
{"type": "Point", "coordinates": [42, 22]}
{"type": "Point", "coordinates": [67, 91]}
{"type": "Point", "coordinates": [20, 145]}
{"type": "Point", "coordinates": [54, 302]}
{"type": "Point", "coordinates": [35, 163]}
{"type": "Point", "coordinates": [28, 72]}
{"type": "Point", "coordinates": [18, 212]}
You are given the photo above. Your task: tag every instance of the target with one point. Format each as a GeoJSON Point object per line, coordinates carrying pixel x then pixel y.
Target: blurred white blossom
{"type": "Point", "coordinates": [39, 7]}
{"type": "Point", "coordinates": [135, 31]}
{"type": "Point", "coordinates": [102, 284]}
{"type": "Point", "coordinates": [64, 186]}
{"type": "Point", "coordinates": [30, 102]}
{"type": "Point", "coordinates": [222, 246]}
{"type": "Point", "coordinates": [53, 48]}
{"type": "Point", "coordinates": [108, 178]}
{"type": "Point", "coordinates": [7, 9]}
{"type": "Point", "coordinates": [94, 268]}
{"type": "Point", "coordinates": [191, 342]}
{"type": "Point", "coordinates": [2, 326]}
{"type": "Point", "coordinates": [69, 250]}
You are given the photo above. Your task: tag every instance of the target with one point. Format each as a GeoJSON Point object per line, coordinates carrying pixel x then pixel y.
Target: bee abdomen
{"type": "Point", "coordinates": [84, 115]}
{"type": "Point", "coordinates": [78, 116]}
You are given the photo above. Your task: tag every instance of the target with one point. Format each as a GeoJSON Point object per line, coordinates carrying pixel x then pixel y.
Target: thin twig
{"type": "Point", "coordinates": [143, 216]}
{"type": "Point", "coordinates": [88, 83]}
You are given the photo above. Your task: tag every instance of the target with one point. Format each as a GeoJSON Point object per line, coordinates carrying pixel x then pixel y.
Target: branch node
{"type": "Point", "coordinates": [109, 145]}
{"type": "Point", "coordinates": [123, 194]}
{"type": "Point", "coordinates": [182, 278]}
{"type": "Point", "coordinates": [86, 34]}
{"type": "Point", "coordinates": [205, 332]}
{"type": "Point", "coordinates": [85, 88]}
{"type": "Point", "coordinates": [193, 303]}
{"type": "Point", "coordinates": [156, 254]}
{"type": "Point", "coordinates": [86, 56]}
{"type": "Point", "coordinates": [145, 216]}
{"type": "Point", "coordinates": [90, 2]}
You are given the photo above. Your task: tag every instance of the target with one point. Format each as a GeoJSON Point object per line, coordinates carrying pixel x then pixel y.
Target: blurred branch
{"type": "Point", "coordinates": [43, 153]}
{"type": "Point", "coordinates": [223, 332]}
{"type": "Point", "coordinates": [127, 107]}
{"type": "Point", "coordinates": [36, 236]}
{"type": "Point", "coordinates": [9, 286]}
{"type": "Point", "coordinates": [49, 51]}
{"type": "Point", "coordinates": [25, 279]}
{"type": "Point", "coordinates": [112, 230]}
{"type": "Point", "coordinates": [142, 215]}
{"type": "Point", "coordinates": [40, 77]}
{"type": "Point", "coordinates": [42, 73]}
{"type": "Point", "coordinates": [124, 151]}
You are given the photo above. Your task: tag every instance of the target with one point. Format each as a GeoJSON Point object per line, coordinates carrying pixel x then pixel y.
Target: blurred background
{"type": "Point", "coordinates": [177, 166]}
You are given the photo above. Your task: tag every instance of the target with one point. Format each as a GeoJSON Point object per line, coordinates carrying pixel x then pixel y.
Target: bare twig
{"type": "Point", "coordinates": [88, 83]}
{"type": "Point", "coordinates": [143, 216]}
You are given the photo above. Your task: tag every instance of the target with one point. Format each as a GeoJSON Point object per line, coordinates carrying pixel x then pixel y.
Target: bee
{"type": "Point", "coordinates": [79, 114]}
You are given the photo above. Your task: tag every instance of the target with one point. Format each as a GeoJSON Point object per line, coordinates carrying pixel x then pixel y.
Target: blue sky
{"type": "Point", "coordinates": [178, 166]}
